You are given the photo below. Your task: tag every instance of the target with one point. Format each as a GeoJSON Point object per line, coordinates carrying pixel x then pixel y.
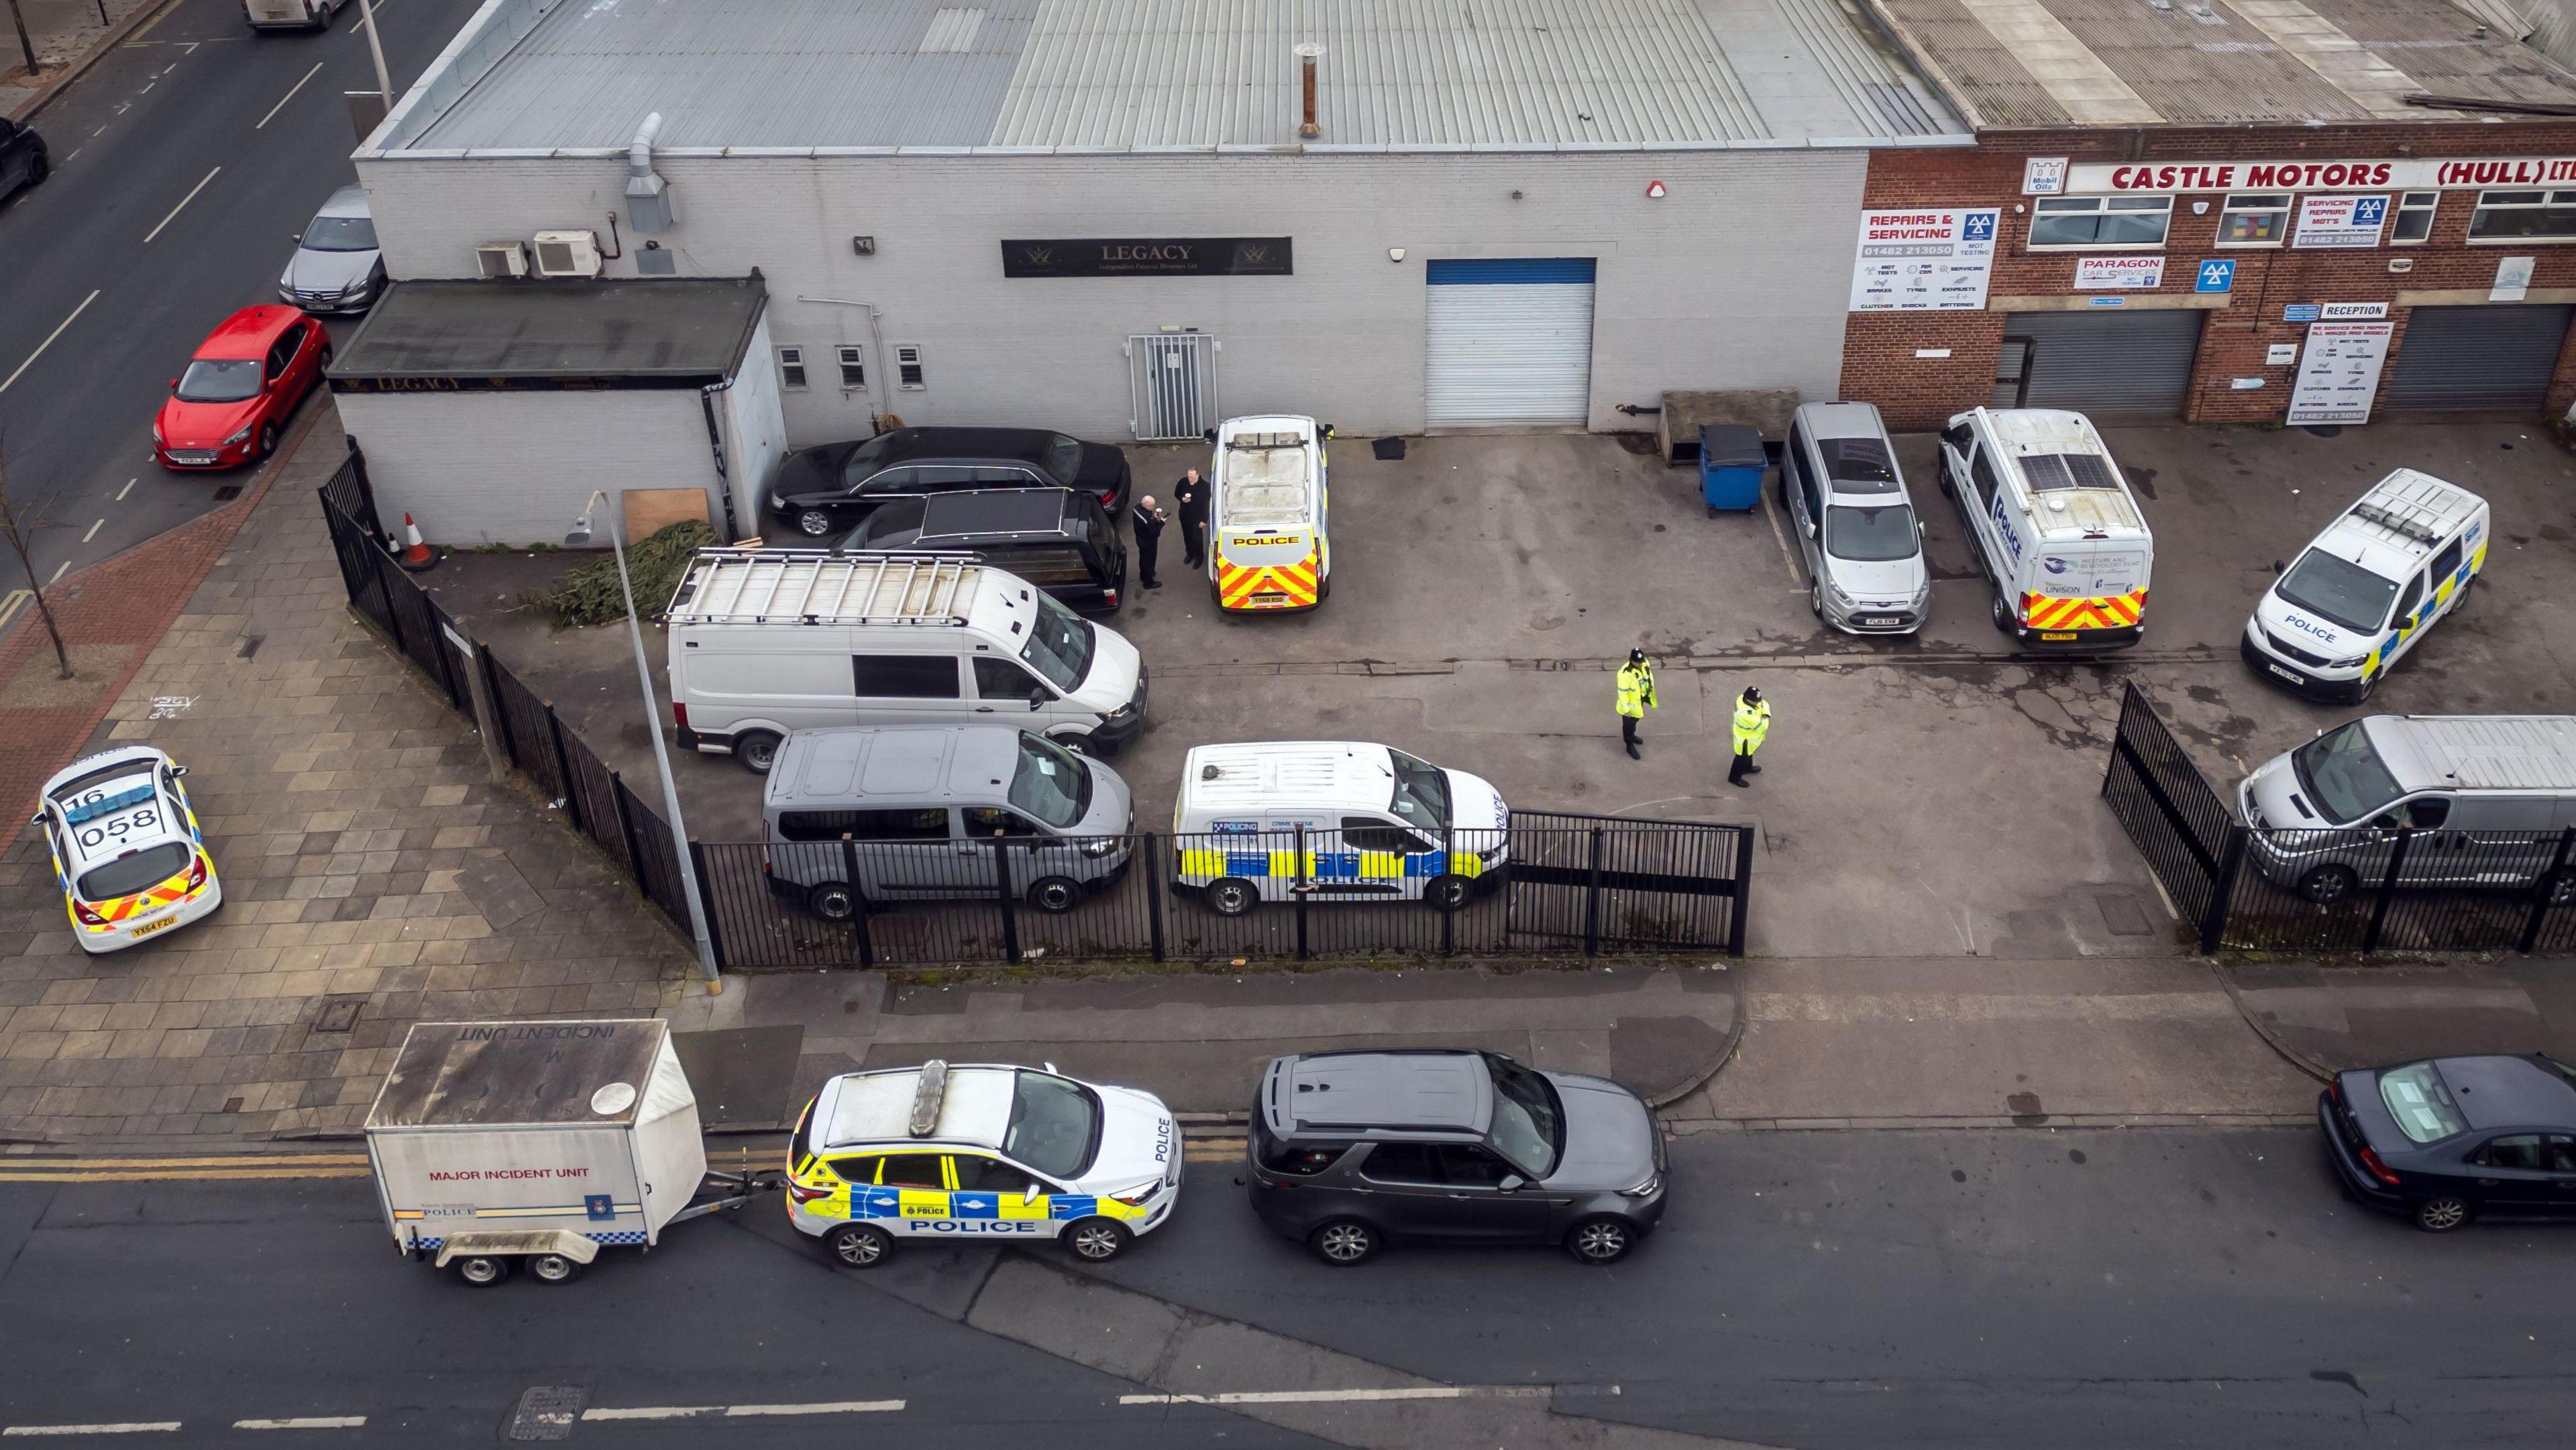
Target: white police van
{"type": "Point", "coordinates": [2368, 587]}
{"type": "Point", "coordinates": [1332, 820]}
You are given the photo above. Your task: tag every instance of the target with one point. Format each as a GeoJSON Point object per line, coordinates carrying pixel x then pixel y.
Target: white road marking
{"type": "Point", "coordinates": [135, 1428]}
{"type": "Point", "coordinates": [309, 1422]}
{"type": "Point", "coordinates": [182, 206]}
{"type": "Point", "coordinates": [49, 340]}
{"type": "Point", "coordinates": [59, 570]}
{"type": "Point", "coordinates": [1319, 1397]}
{"type": "Point", "coordinates": [93, 531]}
{"type": "Point", "coordinates": [66, 161]}
{"type": "Point", "coordinates": [147, 88]}
{"type": "Point", "coordinates": [290, 95]}
{"type": "Point", "coordinates": [698, 1412]}
{"type": "Point", "coordinates": [11, 603]}
{"type": "Point", "coordinates": [1797, 578]}
{"type": "Point", "coordinates": [122, 492]}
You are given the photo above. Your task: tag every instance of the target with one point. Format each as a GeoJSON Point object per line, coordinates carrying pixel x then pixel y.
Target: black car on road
{"type": "Point", "coordinates": [820, 492]}
{"type": "Point", "coordinates": [23, 161]}
{"type": "Point", "coordinates": [1350, 1149]}
{"type": "Point", "coordinates": [2445, 1140]}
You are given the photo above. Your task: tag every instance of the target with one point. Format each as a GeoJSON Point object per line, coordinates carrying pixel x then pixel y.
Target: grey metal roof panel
{"type": "Point", "coordinates": [491, 1074]}
{"type": "Point", "coordinates": [680, 329]}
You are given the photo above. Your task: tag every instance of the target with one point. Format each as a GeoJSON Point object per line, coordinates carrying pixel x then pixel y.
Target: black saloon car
{"type": "Point", "coordinates": [23, 161]}
{"type": "Point", "coordinates": [823, 491]}
{"type": "Point", "coordinates": [2448, 1139]}
{"type": "Point", "coordinates": [1059, 539]}
{"type": "Point", "coordinates": [1350, 1149]}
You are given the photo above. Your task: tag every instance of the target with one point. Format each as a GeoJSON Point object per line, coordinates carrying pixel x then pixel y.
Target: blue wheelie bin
{"type": "Point", "coordinates": [1731, 465]}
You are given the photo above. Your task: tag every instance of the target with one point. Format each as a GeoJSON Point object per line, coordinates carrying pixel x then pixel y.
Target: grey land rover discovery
{"type": "Point", "coordinates": [1350, 1149]}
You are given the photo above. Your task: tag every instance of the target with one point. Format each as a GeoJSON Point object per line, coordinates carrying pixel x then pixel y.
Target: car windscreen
{"type": "Point", "coordinates": [2337, 590]}
{"type": "Point", "coordinates": [864, 460]}
{"type": "Point", "coordinates": [1060, 645]}
{"type": "Point", "coordinates": [891, 526]}
{"type": "Point", "coordinates": [1064, 457]}
{"type": "Point", "coordinates": [129, 874]}
{"type": "Point", "coordinates": [2421, 1103]}
{"type": "Point", "coordinates": [1050, 785]}
{"type": "Point", "coordinates": [1055, 1125]}
{"type": "Point", "coordinates": [1421, 792]}
{"type": "Point", "coordinates": [1871, 534]}
{"type": "Point", "coordinates": [340, 234]}
{"type": "Point", "coordinates": [1528, 1127]}
{"type": "Point", "coordinates": [2344, 774]}
{"type": "Point", "coordinates": [220, 380]}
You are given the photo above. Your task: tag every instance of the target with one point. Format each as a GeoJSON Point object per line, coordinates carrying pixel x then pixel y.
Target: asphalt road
{"type": "Point", "coordinates": [189, 128]}
{"type": "Point", "coordinates": [1816, 1290]}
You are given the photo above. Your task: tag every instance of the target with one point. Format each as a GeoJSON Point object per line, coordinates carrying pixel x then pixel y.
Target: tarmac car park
{"type": "Point", "coordinates": [126, 847]}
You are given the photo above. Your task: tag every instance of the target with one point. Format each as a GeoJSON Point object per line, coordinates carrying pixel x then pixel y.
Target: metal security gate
{"type": "Point", "coordinates": [1172, 382]}
{"type": "Point", "coordinates": [1617, 884]}
{"type": "Point", "coordinates": [1509, 343]}
{"type": "Point", "coordinates": [2494, 359]}
{"type": "Point", "coordinates": [2113, 362]}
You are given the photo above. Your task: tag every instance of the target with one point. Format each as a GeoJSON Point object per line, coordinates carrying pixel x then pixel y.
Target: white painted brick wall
{"type": "Point", "coordinates": [515, 468]}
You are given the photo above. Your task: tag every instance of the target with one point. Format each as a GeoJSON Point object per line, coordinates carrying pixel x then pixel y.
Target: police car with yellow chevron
{"type": "Point", "coordinates": [1333, 820]}
{"type": "Point", "coordinates": [980, 1152]}
{"type": "Point", "coordinates": [127, 850]}
{"type": "Point", "coordinates": [2364, 591]}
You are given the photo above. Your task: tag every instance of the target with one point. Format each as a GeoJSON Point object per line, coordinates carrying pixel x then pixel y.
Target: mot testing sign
{"type": "Point", "coordinates": [2340, 221]}
{"type": "Point", "coordinates": [1932, 259]}
{"type": "Point", "coordinates": [2119, 274]}
{"type": "Point", "coordinates": [2339, 372]}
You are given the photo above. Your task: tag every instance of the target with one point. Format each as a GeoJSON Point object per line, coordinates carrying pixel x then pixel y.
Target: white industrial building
{"type": "Point", "coordinates": [1101, 215]}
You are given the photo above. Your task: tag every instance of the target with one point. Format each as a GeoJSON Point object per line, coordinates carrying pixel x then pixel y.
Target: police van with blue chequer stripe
{"type": "Point", "coordinates": [1332, 820]}
{"type": "Point", "coordinates": [980, 1152]}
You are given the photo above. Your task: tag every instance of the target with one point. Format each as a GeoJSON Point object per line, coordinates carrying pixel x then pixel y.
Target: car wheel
{"type": "Point", "coordinates": [1324, 590]}
{"type": "Point", "coordinates": [40, 167]}
{"type": "Point", "coordinates": [267, 440]}
{"type": "Point", "coordinates": [2558, 888]}
{"type": "Point", "coordinates": [2369, 686]}
{"type": "Point", "coordinates": [814, 523]}
{"type": "Point", "coordinates": [757, 750]}
{"type": "Point", "coordinates": [1097, 1240]}
{"type": "Point", "coordinates": [2326, 885]}
{"type": "Point", "coordinates": [1231, 896]}
{"type": "Point", "coordinates": [1055, 895]}
{"type": "Point", "coordinates": [2443, 1214]}
{"type": "Point", "coordinates": [1602, 1240]}
{"type": "Point", "coordinates": [2002, 615]}
{"type": "Point", "coordinates": [1816, 597]}
{"type": "Point", "coordinates": [480, 1270]}
{"type": "Point", "coordinates": [2460, 600]}
{"type": "Point", "coordinates": [554, 1268]}
{"type": "Point", "coordinates": [857, 1245]}
{"type": "Point", "coordinates": [1344, 1243]}
{"type": "Point", "coordinates": [1941, 472]}
{"type": "Point", "coordinates": [325, 359]}
{"type": "Point", "coordinates": [1445, 893]}
{"type": "Point", "coordinates": [833, 901]}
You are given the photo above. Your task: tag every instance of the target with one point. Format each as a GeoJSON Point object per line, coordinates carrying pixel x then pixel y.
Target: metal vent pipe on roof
{"type": "Point", "coordinates": [648, 201]}
{"type": "Point", "coordinates": [1307, 52]}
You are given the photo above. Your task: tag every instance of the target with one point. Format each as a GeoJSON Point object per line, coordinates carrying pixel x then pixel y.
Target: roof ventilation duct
{"type": "Point", "coordinates": [648, 200]}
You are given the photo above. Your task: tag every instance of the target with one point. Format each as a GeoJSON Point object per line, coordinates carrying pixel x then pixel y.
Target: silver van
{"type": "Point", "coordinates": [2474, 800]}
{"type": "Point", "coordinates": [927, 809]}
{"type": "Point", "coordinates": [1853, 521]}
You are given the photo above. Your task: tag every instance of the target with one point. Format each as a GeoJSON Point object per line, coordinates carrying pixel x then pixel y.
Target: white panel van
{"type": "Point", "coordinates": [2052, 523]}
{"type": "Point", "coordinates": [1377, 825]}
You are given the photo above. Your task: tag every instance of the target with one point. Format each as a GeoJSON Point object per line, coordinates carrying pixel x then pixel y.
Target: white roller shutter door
{"type": "Point", "coordinates": [1509, 343]}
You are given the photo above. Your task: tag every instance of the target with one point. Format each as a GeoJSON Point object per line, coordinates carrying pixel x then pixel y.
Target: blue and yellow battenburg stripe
{"type": "Point", "coordinates": [1207, 865]}
{"type": "Point", "coordinates": [2442, 592]}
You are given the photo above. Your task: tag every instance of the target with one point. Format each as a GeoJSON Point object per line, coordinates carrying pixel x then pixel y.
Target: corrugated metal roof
{"type": "Point", "coordinates": [2225, 62]}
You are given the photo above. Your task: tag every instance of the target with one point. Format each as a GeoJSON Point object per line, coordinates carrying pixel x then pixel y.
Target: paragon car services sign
{"type": "Point", "coordinates": [2460, 174]}
{"type": "Point", "coordinates": [1148, 257]}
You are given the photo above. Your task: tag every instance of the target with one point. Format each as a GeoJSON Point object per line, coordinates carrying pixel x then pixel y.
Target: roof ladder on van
{"type": "Point", "coordinates": [815, 586]}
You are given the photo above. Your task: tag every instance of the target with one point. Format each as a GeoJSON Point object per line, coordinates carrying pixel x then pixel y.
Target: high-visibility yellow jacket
{"type": "Point", "coordinates": [1636, 690]}
{"type": "Point", "coordinates": [1752, 722]}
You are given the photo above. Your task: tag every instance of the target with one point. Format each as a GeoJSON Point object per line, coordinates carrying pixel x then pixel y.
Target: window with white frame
{"type": "Point", "coordinates": [2099, 221]}
{"type": "Point", "coordinates": [909, 374]}
{"type": "Point", "coordinates": [2414, 218]}
{"type": "Point", "coordinates": [791, 369]}
{"type": "Point", "coordinates": [2524, 216]}
{"type": "Point", "coordinates": [2254, 219]}
{"type": "Point", "coordinates": [854, 367]}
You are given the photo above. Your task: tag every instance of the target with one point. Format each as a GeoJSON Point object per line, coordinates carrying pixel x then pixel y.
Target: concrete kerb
{"type": "Point", "coordinates": [1718, 1060]}
{"type": "Point", "coordinates": [2271, 1037]}
{"type": "Point", "coordinates": [123, 31]}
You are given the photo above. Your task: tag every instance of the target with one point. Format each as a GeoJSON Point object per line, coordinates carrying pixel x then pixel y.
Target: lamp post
{"type": "Point", "coordinates": [580, 536]}
{"type": "Point", "coordinates": [376, 48]}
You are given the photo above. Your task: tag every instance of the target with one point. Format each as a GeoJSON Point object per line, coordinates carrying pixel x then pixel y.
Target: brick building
{"type": "Point", "coordinates": [2226, 212]}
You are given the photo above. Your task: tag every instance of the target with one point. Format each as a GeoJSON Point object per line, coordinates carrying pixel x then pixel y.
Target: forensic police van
{"type": "Point", "coordinates": [2053, 525]}
{"type": "Point", "coordinates": [980, 1152]}
{"type": "Point", "coordinates": [2365, 590]}
{"type": "Point", "coordinates": [127, 850]}
{"type": "Point", "coordinates": [1268, 547]}
{"type": "Point", "coordinates": [1332, 820]}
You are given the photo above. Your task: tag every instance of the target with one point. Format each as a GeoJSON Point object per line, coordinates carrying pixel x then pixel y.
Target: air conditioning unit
{"type": "Point", "coordinates": [567, 254]}
{"type": "Point", "coordinates": [502, 259]}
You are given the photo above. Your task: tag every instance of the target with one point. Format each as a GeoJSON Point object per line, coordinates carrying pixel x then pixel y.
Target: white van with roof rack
{"type": "Point", "coordinates": [767, 641]}
{"type": "Point", "coordinates": [2367, 588]}
{"type": "Point", "coordinates": [2053, 525]}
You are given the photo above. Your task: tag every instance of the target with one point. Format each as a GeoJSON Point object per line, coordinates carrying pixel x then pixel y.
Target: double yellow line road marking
{"type": "Point", "coordinates": [206, 1168]}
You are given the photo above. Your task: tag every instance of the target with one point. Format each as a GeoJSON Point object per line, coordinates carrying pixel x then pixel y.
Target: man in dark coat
{"type": "Point", "coordinates": [1191, 493]}
{"type": "Point", "coordinates": [1147, 521]}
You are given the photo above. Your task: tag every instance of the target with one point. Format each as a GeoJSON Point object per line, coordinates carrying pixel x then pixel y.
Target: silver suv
{"type": "Point", "coordinates": [1853, 521]}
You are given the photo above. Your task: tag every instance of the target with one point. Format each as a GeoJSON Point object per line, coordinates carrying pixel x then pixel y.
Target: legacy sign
{"type": "Point", "coordinates": [2466, 174]}
{"type": "Point", "coordinates": [1148, 257]}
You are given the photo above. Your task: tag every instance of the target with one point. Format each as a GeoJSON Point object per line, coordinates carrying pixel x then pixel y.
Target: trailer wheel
{"type": "Point", "coordinates": [857, 1245]}
{"type": "Point", "coordinates": [553, 1268]}
{"type": "Point", "coordinates": [481, 1270]}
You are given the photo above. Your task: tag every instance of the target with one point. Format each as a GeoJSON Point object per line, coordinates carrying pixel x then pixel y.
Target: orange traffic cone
{"type": "Point", "coordinates": [416, 556]}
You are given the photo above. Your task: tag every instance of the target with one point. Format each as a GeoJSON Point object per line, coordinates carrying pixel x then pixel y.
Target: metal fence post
{"type": "Point", "coordinates": [1154, 890]}
{"type": "Point", "coordinates": [1010, 919]}
{"type": "Point", "coordinates": [626, 833]}
{"type": "Point", "coordinates": [697, 863]}
{"type": "Point", "coordinates": [2540, 893]}
{"type": "Point", "coordinates": [858, 900]}
{"type": "Point", "coordinates": [2387, 891]}
{"type": "Point", "coordinates": [1743, 892]}
{"type": "Point", "coordinates": [563, 768]}
{"type": "Point", "coordinates": [1297, 887]}
{"type": "Point", "coordinates": [491, 675]}
{"type": "Point", "coordinates": [2222, 891]}
{"type": "Point", "coordinates": [385, 592]}
{"type": "Point", "coordinates": [1592, 899]}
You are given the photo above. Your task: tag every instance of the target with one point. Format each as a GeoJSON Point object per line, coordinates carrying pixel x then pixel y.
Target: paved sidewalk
{"type": "Point", "coordinates": [2331, 1018]}
{"type": "Point", "coordinates": [65, 33]}
{"type": "Point", "coordinates": [365, 857]}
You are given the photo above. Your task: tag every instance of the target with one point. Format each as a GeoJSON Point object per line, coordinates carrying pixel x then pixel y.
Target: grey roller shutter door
{"type": "Point", "coordinates": [1509, 343]}
{"type": "Point", "coordinates": [2492, 359]}
{"type": "Point", "coordinates": [2112, 362]}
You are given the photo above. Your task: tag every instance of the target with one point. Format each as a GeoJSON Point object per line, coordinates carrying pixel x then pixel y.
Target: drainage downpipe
{"type": "Point", "coordinates": [715, 441]}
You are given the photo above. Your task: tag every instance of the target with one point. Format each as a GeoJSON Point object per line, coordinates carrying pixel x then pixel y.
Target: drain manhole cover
{"type": "Point", "coordinates": [339, 1014]}
{"type": "Point", "coordinates": [547, 1412]}
{"type": "Point", "coordinates": [2123, 915]}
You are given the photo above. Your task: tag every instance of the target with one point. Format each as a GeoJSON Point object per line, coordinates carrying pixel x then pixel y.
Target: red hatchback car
{"type": "Point", "coordinates": [245, 381]}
